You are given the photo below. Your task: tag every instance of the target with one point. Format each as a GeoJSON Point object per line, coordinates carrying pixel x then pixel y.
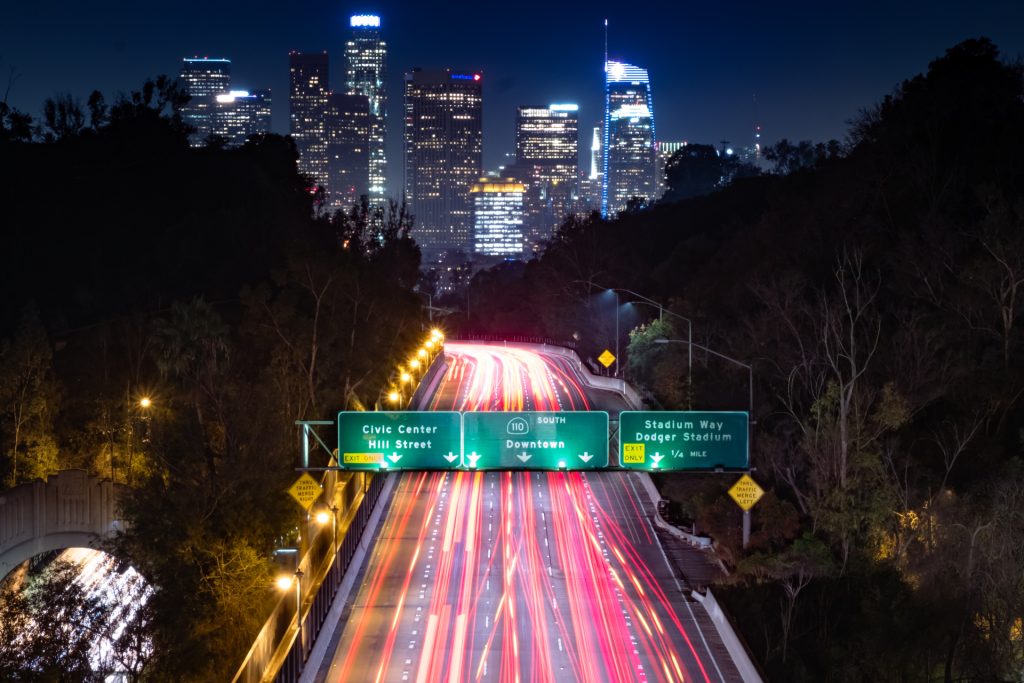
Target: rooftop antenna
{"type": "Point", "coordinates": [757, 130]}
{"type": "Point", "coordinates": [606, 44]}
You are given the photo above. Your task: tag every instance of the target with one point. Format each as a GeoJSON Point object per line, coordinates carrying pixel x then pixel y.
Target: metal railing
{"type": "Point", "coordinates": [520, 339]}
{"type": "Point", "coordinates": [280, 650]}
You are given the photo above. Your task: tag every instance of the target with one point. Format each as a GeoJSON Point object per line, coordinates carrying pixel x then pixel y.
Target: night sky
{"type": "Point", "coordinates": [812, 65]}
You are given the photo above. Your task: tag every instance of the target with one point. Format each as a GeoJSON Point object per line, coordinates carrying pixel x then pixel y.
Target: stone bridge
{"type": "Point", "coordinates": [71, 509]}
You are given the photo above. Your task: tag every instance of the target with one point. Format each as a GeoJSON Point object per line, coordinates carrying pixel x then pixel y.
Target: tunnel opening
{"type": "Point", "coordinates": [76, 611]}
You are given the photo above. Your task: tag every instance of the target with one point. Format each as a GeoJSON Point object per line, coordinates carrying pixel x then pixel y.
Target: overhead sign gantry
{"type": "Point", "coordinates": [566, 440]}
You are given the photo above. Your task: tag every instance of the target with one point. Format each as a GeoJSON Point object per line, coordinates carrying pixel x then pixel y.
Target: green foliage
{"type": "Point", "coordinates": [28, 404]}
{"type": "Point", "coordinates": [205, 280]}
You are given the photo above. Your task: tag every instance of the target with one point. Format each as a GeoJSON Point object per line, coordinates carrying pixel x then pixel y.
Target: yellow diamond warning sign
{"type": "Point", "coordinates": [306, 490]}
{"type": "Point", "coordinates": [746, 492]}
{"type": "Point", "coordinates": [606, 358]}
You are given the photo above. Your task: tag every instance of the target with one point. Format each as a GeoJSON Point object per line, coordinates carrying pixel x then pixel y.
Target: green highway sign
{"type": "Point", "coordinates": [684, 440]}
{"type": "Point", "coordinates": [399, 440]}
{"type": "Point", "coordinates": [535, 440]}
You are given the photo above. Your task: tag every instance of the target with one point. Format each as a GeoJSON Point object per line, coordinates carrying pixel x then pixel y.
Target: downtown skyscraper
{"type": "Point", "coordinates": [498, 217]}
{"type": "Point", "coordinates": [348, 154]}
{"type": "Point", "coordinates": [307, 97]}
{"type": "Point", "coordinates": [238, 114]}
{"type": "Point", "coordinates": [443, 155]}
{"type": "Point", "coordinates": [629, 141]}
{"type": "Point", "coordinates": [366, 60]}
{"type": "Point", "coordinates": [204, 79]}
{"type": "Point", "coordinates": [547, 160]}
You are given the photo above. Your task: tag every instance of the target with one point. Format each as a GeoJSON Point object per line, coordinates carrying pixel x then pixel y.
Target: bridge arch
{"type": "Point", "coordinates": [71, 509]}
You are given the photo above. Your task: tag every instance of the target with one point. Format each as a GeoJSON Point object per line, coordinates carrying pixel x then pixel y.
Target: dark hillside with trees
{"type": "Point", "coordinates": [877, 291]}
{"type": "Point", "coordinates": [209, 282]}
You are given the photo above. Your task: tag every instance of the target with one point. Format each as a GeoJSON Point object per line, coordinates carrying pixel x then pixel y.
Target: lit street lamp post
{"type": "Point", "coordinates": [661, 316]}
{"type": "Point", "coordinates": [285, 583]}
{"type": "Point", "coordinates": [322, 518]}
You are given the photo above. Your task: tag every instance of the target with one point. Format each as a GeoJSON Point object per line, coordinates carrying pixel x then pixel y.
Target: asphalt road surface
{"type": "Point", "coordinates": [518, 576]}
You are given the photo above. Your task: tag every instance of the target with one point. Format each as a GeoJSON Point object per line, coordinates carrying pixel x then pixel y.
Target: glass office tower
{"type": "Point", "coordinates": [308, 103]}
{"type": "Point", "coordinates": [348, 153]}
{"type": "Point", "coordinates": [237, 114]}
{"type": "Point", "coordinates": [629, 141]}
{"type": "Point", "coordinates": [498, 217]}
{"type": "Point", "coordinates": [366, 56]}
{"type": "Point", "coordinates": [547, 160]}
{"type": "Point", "coordinates": [204, 79]}
{"type": "Point", "coordinates": [443, 155]}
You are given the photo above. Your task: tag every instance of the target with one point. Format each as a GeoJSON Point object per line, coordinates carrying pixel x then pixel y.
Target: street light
{"type": "Point", "coordinates": [285, 582]}
{"type": "Point", "coordinates": [661, 316]}
{"type": "Point", "coordinates": [750, 370]}
{"type": "Point", "coordinates": [331, 514]}
{"type": "Point", "coordinates": [145, 402]}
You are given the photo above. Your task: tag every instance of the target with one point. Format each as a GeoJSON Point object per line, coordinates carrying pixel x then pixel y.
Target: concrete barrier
{"type": "Point", "coordinates": [748, 671]}
{"type": "Point", "coordinates": [740, 658]}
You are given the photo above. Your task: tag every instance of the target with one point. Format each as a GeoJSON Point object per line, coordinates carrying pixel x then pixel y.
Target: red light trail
{"type": "Point", "coordinates": [518, 576]}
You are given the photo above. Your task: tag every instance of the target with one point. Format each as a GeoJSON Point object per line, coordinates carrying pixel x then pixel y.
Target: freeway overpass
{"type": "Point", "coordinates": [516, 576]}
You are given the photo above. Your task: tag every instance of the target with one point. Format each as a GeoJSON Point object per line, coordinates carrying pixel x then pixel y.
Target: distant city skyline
{"type": "Point", "coordinates": [812, 66]}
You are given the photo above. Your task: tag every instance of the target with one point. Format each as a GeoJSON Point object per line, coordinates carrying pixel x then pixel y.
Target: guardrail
{"type": "Point", "coordinates": [515, 340]}
{"type": "Point", "coordinates": [281, 648]}
{"type": "Point", "coordinates": [740, 658]}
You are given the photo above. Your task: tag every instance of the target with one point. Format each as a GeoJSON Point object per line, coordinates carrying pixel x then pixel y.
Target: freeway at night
{"type": "Point", "coordinates": [520, 576]}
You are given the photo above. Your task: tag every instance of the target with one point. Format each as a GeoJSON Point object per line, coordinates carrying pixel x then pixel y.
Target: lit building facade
{"type": "Point", "coordinates": [204, 79]}
{"type": "Point", "coordinates": [665, 152]}
{"type": "Point", "coordinates": [348, 153]}
{"type": "Point", "coordinates": [498, 217]}
{"type": "Point", "coordinates": [237, 114]}
{"type": "Point", "coordinates": [628, 161]}
{"type": "Point", "coordinates": [366, 58]}
{"type": "Point", "coordinates": [307, 97]}
{"type": "Point", "coordinates": [443, 155]}
{"type": "Point", "coordinates": [547, 158]}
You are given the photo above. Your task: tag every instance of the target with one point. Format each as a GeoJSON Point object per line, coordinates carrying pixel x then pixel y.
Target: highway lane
{"type": "Point", "coordinates": [518, 576]}
{"type": "Point", "coordinates": [494, 377]}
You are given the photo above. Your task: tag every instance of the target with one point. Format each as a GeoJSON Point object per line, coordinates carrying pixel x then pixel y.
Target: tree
{"type": "Point", "coordinates": [97, 110]}
{"type": "Point", "coordinates": [659, 367]}
{"type": "Point", "coordinates": [58, 628]}
{"type": "Point", "coordinates": [693, 171]}
{"type": "Point", "coordinates": [192, 347]}
{"type": "Point", "coordinates": [697, 170]}
{"type": "Point", "coordinates": [28, 402]}
{"type": "Point", "coordinates": [789, 158]}
{"type": "Point", "coordinates": [63, 117]}
{"type": "Point", "coordinates": [794, 569]}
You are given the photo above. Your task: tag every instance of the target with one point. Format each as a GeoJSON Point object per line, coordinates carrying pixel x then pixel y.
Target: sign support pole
{"type": "Point", "coordinates": [746, 528]}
